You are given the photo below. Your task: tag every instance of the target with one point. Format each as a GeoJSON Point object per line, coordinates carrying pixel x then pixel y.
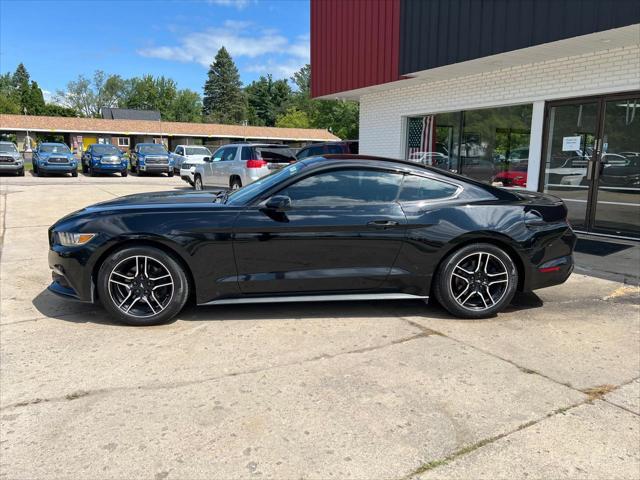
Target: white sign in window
{"type": "Point", "coordinates": [571, 144]}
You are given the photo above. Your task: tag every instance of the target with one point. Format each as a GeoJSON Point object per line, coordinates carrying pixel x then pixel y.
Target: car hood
{"type": "Point", "coordinates": [155, 198]}
{"type": "Point", "coordinates": [195, 158]}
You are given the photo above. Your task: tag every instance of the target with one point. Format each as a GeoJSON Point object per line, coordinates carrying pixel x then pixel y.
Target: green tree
{"type": "Point", "coordinates": [33, 100]}
{"type": "Point", "coordinates": [89, 96]}
{"type": "Point", "coordinates": [9, 97]}
{"type": "Point", "coordinates": [54, 110]}
{"type": "Point", "coordinates": [339, 116]}
{"type": "Point", "coordinates": [293, 118]}
{"type": "Point", "coordinates": [152, 93]}
{"type": "Point", "coordinates": [267, 100]}
{"type": "Point", "coordinates": [187, 106]}
{"type": "Point", "coordinates": [223, 101]}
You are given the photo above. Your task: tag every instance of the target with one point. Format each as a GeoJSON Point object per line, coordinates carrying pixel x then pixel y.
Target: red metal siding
{"type": "Point", "coordinates": [354, 44]}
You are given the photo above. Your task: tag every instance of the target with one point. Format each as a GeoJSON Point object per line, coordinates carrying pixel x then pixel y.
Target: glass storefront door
{"type": "Point", "coordinates": [592, 162]}
{"type": "Point", "coordinates": [570, 145]}
{"type": "Point", "coordinates": [617, 207]}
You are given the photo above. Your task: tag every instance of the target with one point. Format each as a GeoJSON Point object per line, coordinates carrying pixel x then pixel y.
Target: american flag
{"type": "Point", "coordinates": [422, 134]}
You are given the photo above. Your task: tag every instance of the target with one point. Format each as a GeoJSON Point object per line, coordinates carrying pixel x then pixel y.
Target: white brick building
{"type": "Point", "coordinates": [536, 95]}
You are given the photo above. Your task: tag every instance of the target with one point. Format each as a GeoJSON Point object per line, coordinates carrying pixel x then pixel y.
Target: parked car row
{"type": "Point", "coordinates": [232, 165]}
{"type": "Point", "coordinates": [238, 164]}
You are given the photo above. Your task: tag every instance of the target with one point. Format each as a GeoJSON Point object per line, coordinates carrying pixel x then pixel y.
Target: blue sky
{"type": "Point", "coordinates": [58, 40]}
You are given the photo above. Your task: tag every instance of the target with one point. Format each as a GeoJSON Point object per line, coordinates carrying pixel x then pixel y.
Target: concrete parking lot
{"type": "Point", "coordinates": [549, 389]}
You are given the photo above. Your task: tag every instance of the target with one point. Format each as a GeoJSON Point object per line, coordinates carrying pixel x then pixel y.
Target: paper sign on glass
{"type": "Point", "coordinates": [571, 144]}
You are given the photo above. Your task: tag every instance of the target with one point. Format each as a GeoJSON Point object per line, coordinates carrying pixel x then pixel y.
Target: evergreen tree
{"type": "Point", "coordinates": [33, 101]}
{"type": "Point", "coordinates": [224, 100]}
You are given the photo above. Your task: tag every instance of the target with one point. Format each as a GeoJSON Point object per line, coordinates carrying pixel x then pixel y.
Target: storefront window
{"type": "Point", "coordinates": [490, 145]}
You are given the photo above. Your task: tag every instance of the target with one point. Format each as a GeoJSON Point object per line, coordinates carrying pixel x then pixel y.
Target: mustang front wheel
{"type": "Point", "coordinates": [142, 286]}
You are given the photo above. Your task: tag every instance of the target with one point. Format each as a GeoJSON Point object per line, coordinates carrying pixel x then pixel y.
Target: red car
{"type": "Point", "coordinates": [515, 177]}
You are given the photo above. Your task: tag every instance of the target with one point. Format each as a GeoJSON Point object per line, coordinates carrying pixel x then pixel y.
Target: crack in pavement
{"type": "Point", "coordinates": [590, 398]}
{"type": "Point", "coordinates": [487, 441]}
{"type": "Point", "coordinates": [166, 386]}
{"type": "Point", "coordinates": [58, 316]}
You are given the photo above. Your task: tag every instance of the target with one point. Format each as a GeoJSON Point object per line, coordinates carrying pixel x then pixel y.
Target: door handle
{"type": "Point", "coordinates": [383, 223]}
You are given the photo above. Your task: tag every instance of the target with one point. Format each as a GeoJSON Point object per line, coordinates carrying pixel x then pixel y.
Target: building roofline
{"type": "Point", "coordinates": [32, 123]}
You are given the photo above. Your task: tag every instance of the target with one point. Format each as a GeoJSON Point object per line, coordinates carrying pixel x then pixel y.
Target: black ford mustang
{"type": "Point", "coordinates": [326, 228]}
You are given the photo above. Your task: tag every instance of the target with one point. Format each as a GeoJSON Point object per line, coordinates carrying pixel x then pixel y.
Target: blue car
{"type": "Point", "coordinates": [104, 158]}
{"type": "Point", "coordinates": [54, 158]}
{"type": "Point", "coordinates": [151, 158]}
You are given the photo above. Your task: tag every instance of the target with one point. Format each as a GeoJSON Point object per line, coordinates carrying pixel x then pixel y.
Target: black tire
{"type": "Point", "coordinates": [34, 167]}
{"type": "Point", "coordinates": [197, 183]}
{"type": "Point", "coordinates": [485, 293]}
{"type": "Point", "coordinates": [124, 172]}
{"type": "Point", "coordinates": [74, 173]}
{"type": "Point", "coordinates": [170, 173]}
{"type": "Point", "coordinates": [133, 169]}
{"type": "Point", "coordinates": [175, 302]}
{"type": "Point", "coordinates": [85, 169]}
{"type": "Point", "coordinates": [20, 173]}
{"type": "Point", "coordinates": [235, 183]}
{"type": "Point", "coordinates": [92, 172]}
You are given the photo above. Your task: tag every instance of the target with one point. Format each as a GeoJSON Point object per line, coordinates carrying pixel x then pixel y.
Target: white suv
{"type": "Point", "coordinates": [186, 157]}
{"type": "Point", "coordinates": [235, 165]}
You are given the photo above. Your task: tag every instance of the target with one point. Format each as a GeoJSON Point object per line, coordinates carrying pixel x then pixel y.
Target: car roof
{"type": "Point", "coordinates": [150, 143]}
{"type": "Point", "coordinates": [335, 142]}
{"type": "Point", "coordinates": [269, 145]}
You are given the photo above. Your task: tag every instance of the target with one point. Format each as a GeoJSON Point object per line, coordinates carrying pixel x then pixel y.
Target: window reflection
{"type": "Point", "coordinates": [345, 187]}
{"type": "Point", "coordinates": [490, 145]}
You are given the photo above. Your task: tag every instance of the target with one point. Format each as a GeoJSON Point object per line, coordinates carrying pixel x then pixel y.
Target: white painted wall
{"type": "Point", "coordinates": [382, 114]}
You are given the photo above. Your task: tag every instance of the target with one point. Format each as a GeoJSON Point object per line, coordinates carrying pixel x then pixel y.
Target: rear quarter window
{"type": "Point", "coordinates": [416, 188]}
{"type": "Point", "coordinates": [276, 155]}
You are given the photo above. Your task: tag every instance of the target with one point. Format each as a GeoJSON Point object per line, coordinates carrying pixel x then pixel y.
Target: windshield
{"type": "Point", "coordinates": [152, 149]}
{"type": "Point", "coordinates": [54, 148]}
{"type": "Point", "coordinates": [105, 150]}
{"type": "Point", "coordinates": [245, 194]}
{"type": "Point", "coordinates": [7, 147]}
{"type": "Point", "coordinates": [197, 151]}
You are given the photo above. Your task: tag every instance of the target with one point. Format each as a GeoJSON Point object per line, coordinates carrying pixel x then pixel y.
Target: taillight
{"type": "Point", "coordinates": [256, 163]}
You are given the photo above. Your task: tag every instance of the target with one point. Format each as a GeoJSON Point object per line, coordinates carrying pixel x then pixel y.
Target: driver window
{"type": "Point", "coordinates": [217, 157]}
{"type": "Point", "coordinates": [344, 188]}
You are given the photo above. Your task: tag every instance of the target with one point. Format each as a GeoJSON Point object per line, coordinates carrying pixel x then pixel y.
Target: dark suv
{"type": "Point", "coordinates": [328, 148]}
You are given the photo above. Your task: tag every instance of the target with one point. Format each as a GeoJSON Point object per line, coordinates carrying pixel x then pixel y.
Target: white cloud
{"type": "Point", "coordinates": [268, 49]}
{"type": "Point", "coordinates": [239, 4]}
{"type": "Point", "coordinates": [277, 69]}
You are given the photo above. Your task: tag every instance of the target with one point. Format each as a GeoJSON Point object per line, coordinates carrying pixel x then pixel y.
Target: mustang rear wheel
{"type": "Point", "coordinates": [477, 281]}
{"type": "Point", "coordinates": [142, 286]}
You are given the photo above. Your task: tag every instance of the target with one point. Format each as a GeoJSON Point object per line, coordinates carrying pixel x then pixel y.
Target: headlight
{"type": "Point", "coordinates": [69, 239]}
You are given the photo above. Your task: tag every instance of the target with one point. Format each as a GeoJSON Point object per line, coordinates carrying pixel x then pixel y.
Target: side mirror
{"type": "Point", "coordinates": [206, 159]}
{"type": "Point", "coordinates": [278, 203]}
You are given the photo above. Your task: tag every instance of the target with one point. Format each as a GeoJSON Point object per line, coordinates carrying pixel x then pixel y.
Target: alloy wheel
{"type": "Point", "coordinates": [479, 281]}
{"type": "Point", "coordinates": [141, 286]}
